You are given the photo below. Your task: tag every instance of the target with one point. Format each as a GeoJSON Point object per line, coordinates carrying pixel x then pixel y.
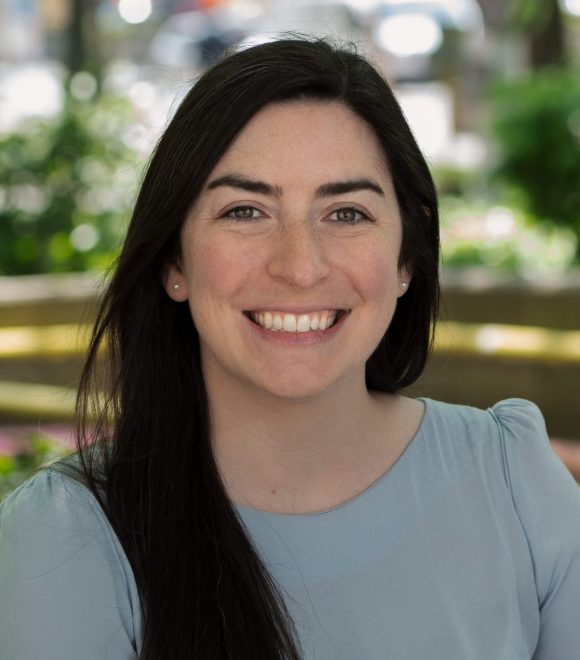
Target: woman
{"type": "Point", "coordinates": [258, 487]}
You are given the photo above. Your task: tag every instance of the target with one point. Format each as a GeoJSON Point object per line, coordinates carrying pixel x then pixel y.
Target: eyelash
{"type": "Point", "coordinates": [362, 217]}
{"type": "Point", "coordinates": [231, 213]}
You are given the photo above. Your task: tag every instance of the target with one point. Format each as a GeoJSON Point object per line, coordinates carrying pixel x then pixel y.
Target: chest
{"type": "Point", "coordinates": [410, 577]}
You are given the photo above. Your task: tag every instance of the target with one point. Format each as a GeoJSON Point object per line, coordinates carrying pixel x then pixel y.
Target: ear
{"type": "Point", "coordinates": [175, 284]}
{"type": "Point", "coordinates": [405, 277]}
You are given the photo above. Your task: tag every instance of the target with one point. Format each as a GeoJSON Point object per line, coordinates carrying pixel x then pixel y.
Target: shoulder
{"type": "Point", "coordinates": [50, 519]}
{"type": "Point", "coordinates": [48, 493]}
{"type": "Point", "coordinates": [60, 561]}
{"type": "Point", "coordinates": [520, 420]}
{"type": "Point", "coordinates": [511, 435]}
{"type": "Point", "coordinates": [521, 470]}
{"type": "Point", "coordinates": [514, 420]}
{"type": "Point", "coordinates": [507, 440]}
{"type": "Point", "coordinates": [51, 501]}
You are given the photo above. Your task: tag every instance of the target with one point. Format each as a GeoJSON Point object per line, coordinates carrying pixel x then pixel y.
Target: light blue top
{"type": "Point", "coordinates": [468, 548]}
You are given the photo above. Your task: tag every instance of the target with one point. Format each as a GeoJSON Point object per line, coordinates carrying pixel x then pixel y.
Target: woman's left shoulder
{"type": "Point", "coordinates": [513, 434]}
{"type": "Point", "coordinates": [546, 498]}
{"type": "Point", "coordinates": [521, 419]}
{"type": "Point", "coordinates": [510, 420]}
{"type": "Point", "coordinates": [510, 434]}
{"type": "Point", "coordinates": [532, 466]}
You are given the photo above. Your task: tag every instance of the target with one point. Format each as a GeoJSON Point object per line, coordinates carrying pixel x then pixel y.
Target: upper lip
{"type": "Point", "coordinates": [283, 309]}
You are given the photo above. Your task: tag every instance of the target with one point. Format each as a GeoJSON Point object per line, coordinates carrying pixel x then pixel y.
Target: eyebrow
{"type": "Point", "coordinates": [325, 190]}
{"type": "Point", "coordinates": [354, 185]}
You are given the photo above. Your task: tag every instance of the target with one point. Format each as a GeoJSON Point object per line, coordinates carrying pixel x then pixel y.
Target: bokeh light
{"type": "Point", "coordinates": [135, 11]}
{"type": "Point", "coordinates": [408, 35]}
{"type": "Point", "coordinates": [572, 6]}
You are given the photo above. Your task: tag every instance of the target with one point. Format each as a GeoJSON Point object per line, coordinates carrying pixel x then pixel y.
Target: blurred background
{"type": "Point", "coordinates": [491, 90]}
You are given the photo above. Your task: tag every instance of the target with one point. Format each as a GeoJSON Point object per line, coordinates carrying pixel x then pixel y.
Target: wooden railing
{"type": "Point", "coordinates": [539, 347]}
{"type": "Point", "coordinates": [507, 342]}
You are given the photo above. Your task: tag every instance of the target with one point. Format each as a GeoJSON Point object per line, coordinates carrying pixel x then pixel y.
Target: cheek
{"type": "Point", "coordinates": [382, 294]}
{"type": "Point", "coordinates": [382, 277]}
{"type": "Point", "coordinates": [218, 270]}
{"type": "Point", "coordinates": [378, 276]}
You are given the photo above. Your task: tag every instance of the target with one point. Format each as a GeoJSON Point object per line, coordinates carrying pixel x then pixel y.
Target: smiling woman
{"type": "Point", "coordinates": [317, 243]}
{"type": "Point", "coordinates": [256, 484]}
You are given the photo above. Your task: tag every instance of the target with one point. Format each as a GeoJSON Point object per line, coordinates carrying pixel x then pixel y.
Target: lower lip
{"type": "Point", "coordinates": [299, 338]}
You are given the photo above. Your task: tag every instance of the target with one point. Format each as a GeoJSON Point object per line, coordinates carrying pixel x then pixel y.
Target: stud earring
{"type": "Point", "coordinates": [176, 287]}
{"type": "Point", "coordinates": [404, 285]}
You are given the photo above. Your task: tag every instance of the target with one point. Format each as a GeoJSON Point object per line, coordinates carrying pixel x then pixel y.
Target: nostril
{"type": "Point", "coordinates": [299, 259]}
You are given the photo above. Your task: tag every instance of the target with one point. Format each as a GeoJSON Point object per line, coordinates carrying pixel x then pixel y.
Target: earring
{"type": "Point", "coordinates": [176, 287]}
{"type": "Point", "coordinates": [404, 285]}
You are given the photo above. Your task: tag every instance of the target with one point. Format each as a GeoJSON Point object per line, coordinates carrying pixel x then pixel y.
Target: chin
{"type": "Point", "coordinates": [298, 394]}
{"type": "Point", "coordinates": [296, 391]}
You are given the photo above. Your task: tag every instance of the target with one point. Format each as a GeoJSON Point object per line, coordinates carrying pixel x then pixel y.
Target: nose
{"type": "Point", "coordinates": [298, 257]}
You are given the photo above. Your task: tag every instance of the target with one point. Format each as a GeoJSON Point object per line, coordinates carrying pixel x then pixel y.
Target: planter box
{"type": "Point", "coordinates": [48, 299]}
{"type": "Point", "coordinates": [475, 375]}
{"type": "Point", "coordinates": [482, 381]}
{"type": "Point", "coordinates": [479, 296]}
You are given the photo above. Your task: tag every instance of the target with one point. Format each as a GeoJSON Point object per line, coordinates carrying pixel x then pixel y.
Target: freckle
{"type": "Point", "coordinates": [273, 491]}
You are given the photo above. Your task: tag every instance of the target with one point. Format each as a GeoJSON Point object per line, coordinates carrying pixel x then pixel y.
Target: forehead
{"type": "Point", "coordinates": [308, 137]}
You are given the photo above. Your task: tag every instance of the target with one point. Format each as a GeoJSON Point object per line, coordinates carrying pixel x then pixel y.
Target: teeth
{"type": "Point", "coordinates": [303, 324]}
{"type": "Point", "coordinates": [294, 322]}
{"type": "Point", "coordinates": [290, 323]}
{"type": "Point", "coordinates": [277, 322]}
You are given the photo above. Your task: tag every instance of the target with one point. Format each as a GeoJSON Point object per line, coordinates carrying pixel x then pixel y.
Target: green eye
{"type": "Point", "coordinates": [241, 213]}
{"type": "Point", "coordinates": [350, 216]}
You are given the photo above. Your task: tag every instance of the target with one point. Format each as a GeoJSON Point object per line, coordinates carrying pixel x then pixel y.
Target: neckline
{"type": "Point", "coordinates": [250, 511]}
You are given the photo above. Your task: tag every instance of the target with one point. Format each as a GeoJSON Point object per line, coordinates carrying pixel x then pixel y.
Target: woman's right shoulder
{"type": "Point", "coordinates": [49, 496]}
{"type": "Point", "coordinates": [60, 561]}
{"type": "Point", "coordinates": [48, 507]}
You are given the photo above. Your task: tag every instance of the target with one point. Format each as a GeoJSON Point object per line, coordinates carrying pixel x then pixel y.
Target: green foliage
{"type": "Point", "coordinates": [530, 14]}
{"type": "Point", "coordinates": [504, 238]}
{"type": "Point", "coordinates": [66, 188]}
{"type": "Point", "coordinates": [537, 124]}
{"type": "Point", "coordinates": [16, 468]}
{"type": "Point", "coordinates": [456, 181]}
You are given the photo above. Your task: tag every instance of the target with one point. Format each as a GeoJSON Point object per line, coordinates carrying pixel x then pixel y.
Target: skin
{"type": "Point", "coordinates": [290, 412]}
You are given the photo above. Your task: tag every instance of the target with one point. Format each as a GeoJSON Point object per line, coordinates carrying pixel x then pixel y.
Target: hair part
{"type": "Point", "coordinates": [204, 590]}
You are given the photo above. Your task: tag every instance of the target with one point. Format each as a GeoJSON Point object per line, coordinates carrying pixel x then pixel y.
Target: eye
{"type": "Point", "coordinates": [243, 213]}
{"type": "Point", "coordinates": [349, 216]}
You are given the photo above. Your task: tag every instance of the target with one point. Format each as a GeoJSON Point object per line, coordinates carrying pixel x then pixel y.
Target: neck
{"type": "Point", "coordinates": [287, 454]}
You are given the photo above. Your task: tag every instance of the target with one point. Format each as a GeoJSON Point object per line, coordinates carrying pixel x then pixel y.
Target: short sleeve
{"type": "Point", "coordinates": [66, 589]}
{"type": "Point", "coordinates": [547, 502]}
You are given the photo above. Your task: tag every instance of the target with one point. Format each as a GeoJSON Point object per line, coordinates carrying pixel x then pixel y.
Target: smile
{"type": "Point", "coordinates": [295, 323]}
